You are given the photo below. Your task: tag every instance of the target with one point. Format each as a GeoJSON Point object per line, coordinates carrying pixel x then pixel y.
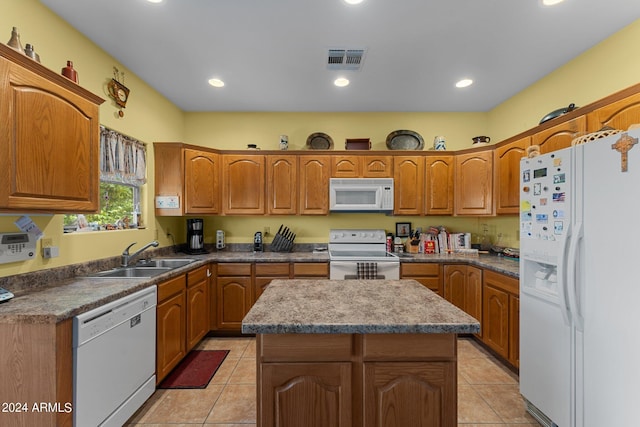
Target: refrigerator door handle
{"type": "Point", "coordinates": [572, 285]}
{"type": "Point", "coordinates": [562, 277]}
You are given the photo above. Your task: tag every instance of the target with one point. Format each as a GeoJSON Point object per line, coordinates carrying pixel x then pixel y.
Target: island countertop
{"type": "Point", "coordinates": [354, 307]}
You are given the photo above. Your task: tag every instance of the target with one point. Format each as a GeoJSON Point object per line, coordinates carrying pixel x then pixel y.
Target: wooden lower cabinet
{"type": "Point", "coordinates": [291, 386]}
{"type": "Point", "coordinates": [234, 292]}
{"type": "Point", "coordinates": [501, 315]}
{"type": "Point", "coordinates": [198, 305]}
{"type": "Point", "coordinates": [171, 328]}
{"type": "Point", "coordinates": [463, 288]}
{"type": "Point", "coordinates": [429, 275]}
{"type": "Point", "coordinates": [361, 380]}
{"type": "Point", "coordinates": [311, 270]}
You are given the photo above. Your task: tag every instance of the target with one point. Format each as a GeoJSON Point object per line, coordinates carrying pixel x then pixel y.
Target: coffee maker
{"type": "Point", "coordinates": [195, 236]}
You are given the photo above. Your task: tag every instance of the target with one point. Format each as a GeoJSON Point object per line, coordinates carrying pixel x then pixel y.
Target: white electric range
{"type": "Point", "coordinates": [361, 254]}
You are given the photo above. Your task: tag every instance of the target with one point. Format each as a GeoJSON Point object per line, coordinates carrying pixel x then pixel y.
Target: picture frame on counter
{"type": "Point", "coordinates": [403, 229]}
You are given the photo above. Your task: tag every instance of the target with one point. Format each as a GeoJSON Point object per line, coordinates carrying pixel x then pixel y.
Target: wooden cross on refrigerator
{"type": "Point", "coordinates": [623, 145]}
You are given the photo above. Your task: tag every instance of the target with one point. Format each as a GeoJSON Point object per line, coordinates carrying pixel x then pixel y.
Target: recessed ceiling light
{"type": "Point", "coordinates": [154, 1]}
{"type": "Point", "coordinates": [216, 82]}
{"type": "Point", "coordinates": [353, 1]}
{"type": "Point", "coordinates": [341, 82]}
{"type": "Point", "coordinates": [551, 2]}
{"type": "Point", "coordinates": [464, 83]}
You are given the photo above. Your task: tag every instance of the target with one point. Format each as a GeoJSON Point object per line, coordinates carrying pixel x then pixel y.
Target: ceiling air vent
{"type": "Point", "coordinates": [345, 59]}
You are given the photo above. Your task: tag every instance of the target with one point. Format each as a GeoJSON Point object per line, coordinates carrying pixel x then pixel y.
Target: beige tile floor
{"type": "Point", "coordinates": [487, 392]}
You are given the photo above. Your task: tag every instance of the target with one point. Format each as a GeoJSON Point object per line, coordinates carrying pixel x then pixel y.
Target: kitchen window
{"type": "Point", "coordinates": [123, 173]}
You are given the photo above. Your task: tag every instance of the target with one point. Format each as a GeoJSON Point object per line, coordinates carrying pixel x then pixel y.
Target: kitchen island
{"type": "Point", "coordinates": [355, 353]}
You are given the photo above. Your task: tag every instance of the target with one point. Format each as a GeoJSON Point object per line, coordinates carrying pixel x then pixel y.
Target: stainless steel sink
{"type": "Point", "coordinates": [131, 272]}
{"type": "Point", "coordinates": [164, 263]}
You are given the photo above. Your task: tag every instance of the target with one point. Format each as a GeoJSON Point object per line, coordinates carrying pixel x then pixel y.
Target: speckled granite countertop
{"type": "Point", "coordinates": [354, 307]}
{"type": "Point", "coordinates": [53, 295]}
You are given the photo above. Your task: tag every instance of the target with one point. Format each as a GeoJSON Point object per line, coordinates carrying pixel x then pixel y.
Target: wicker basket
{"type": "Point", "coordinates": [590, 137]}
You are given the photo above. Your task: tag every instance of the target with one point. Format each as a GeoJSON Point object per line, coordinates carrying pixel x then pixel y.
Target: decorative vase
{"type": "Point", "coordinates": [31, 53]}
{"type": "Point", "coordinates": [14, 41]}
{"type": "Point", "coordinates": [69, 72]}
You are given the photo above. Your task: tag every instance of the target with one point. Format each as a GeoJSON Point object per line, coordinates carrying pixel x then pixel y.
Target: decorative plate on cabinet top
{"type": "Point", "coordinates": [319, 141]}
{"type": "Point", "coordinates": [404, 140]}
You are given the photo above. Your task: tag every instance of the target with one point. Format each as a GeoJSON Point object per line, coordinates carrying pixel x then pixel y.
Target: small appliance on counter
{"type": "Point", "coordinates": [257, 242]}
{"type": "Point", "coordinates": [195, 236]}
{"type": "Point", "coordinates": [220, 239]}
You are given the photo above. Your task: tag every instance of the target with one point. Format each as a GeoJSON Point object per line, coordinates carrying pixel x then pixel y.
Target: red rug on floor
{"type": "Point", "coordinates": [195, 370]}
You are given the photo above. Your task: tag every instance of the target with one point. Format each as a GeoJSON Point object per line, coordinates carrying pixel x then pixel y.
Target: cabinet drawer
{"type": "Point", "coordinates": [419, 269]}
{"type": "Point", "coordinates": [234, 269]}
{"type": "Point", "coordinates": [273, 269]}
{"type": "Point", "coordinates": [400, 347]}
{"type": "Point", "coordinates": [198, 275]}
{"type": "Point", "coordinates": [171, 287]}
{"type": "Point", "coordinates": [502, 282]}
{"type": "Point", "coordinates": [319, 269]}
{"type": "Point", "coordinates": [305, 347]}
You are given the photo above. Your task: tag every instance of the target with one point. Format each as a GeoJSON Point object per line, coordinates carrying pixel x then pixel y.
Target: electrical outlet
{"type": "Point", "coordinates": [156, 234]}
{"type": "Point", "coordinates": [266, 231]}
{"type": "Point", "coordinates": [168, 232]}
{"type": "Point", "coordinates": [48, 242]}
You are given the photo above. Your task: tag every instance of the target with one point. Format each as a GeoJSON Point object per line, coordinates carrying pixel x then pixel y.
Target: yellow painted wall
{"type": "Point", "coordinates": [608, 67]}
{"type": "Point", "coordinates": [234, 130]}
{"type": "Point", "coordinates": [150, 117]}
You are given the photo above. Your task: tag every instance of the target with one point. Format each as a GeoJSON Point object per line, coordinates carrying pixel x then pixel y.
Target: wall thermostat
{"type": "Point", "coordinates": [17, 247]}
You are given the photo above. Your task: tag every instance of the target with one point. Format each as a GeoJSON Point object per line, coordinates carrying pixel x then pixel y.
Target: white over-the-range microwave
{"type": "Point", "coordinates": [361, 195]}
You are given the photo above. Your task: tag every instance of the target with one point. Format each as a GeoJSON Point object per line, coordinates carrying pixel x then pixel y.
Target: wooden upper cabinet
{"type": "Point", "coordinates": [560, 135]}
{"type": "Point", "coordinates": [282, 184]}
{"type": "Point", "coordinates": [474, 183]}
{"type": "Point", "coordinates": [350, 166]}
{"type": "Point", "coordinates": [314, 184]}
{"type": "Point", "coordinates": [346, 166]}
{"type": "Point", "coordinates": [507, 175]}
{"type": "Point", "coordinates": [439, 185]}
{"type": "Point", "coordinates": [618, 115]}
{"type": "Point", "coordinates": [201, 182]}
{"type": "Point", "coordinates": [49, 139]}
{"type": "Point", "coordinates": [377, 166]}
{"type": "Point", "coordinates": [243, 184]}
{"type": "Point", "coordinates": [408, 174]}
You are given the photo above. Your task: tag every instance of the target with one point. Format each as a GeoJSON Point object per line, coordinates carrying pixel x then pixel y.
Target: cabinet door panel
{"type": "Point", "coordinates": [50, 144]}
{"type": "Point", "coordinates": [197, 313]}
{"type": "Point", "coordinates": [495, 321]}
{"type": "Point", "coordinates": [408, 173]}
{"type": "Point", "coordinates": [473, 293]}
{"type": "Point", "coordinates": [618, 115]}
{"type": "Point", "coordinates": [454, 284]}
{"type": "Point", "coordinates": [514, 330]}
{"type": "Point", "coordinates": [377, 166]}
{"type": "Point", "coordinates": [234, 301]}
{"type": "Point", "coordinates": [559, 136]}
{"type": "Point", "coordinates": [306, 394]}
{"type": "Point", "coordinates": [282, 185]}
{"type": "Point", "coordinates": [398, 394]}
{"type": "Point", "coordinates": [202, 186]}
{"type": "Point", "coordinates": [474, 183]}
{"type": "Point", "coordinates": [507, 175]}
{"type": "Point", "coordinates": [171, 335]}
{"type": "Point", "coordinates": [439, 185]}
{"type": "Point", "coordinates": [243, 184]}
{"type": "Point", "coordinates": [346, 166]}
{"type": "Point", "coordinates": [314, 185]}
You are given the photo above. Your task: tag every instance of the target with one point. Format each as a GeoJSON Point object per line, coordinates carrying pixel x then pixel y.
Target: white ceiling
{"type": "Point", "coordinates": [272, 54]}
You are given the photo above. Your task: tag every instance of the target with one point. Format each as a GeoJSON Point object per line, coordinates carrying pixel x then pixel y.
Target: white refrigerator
{"type": "Point", "coordinates": [579, 287]}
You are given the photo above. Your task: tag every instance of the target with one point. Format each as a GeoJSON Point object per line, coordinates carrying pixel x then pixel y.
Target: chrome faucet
{"type": "Point", "coordinates": [125, 259]}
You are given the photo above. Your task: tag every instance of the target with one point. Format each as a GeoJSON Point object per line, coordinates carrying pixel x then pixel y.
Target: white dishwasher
{"type": "Point", "coordinates": [114, 353]}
